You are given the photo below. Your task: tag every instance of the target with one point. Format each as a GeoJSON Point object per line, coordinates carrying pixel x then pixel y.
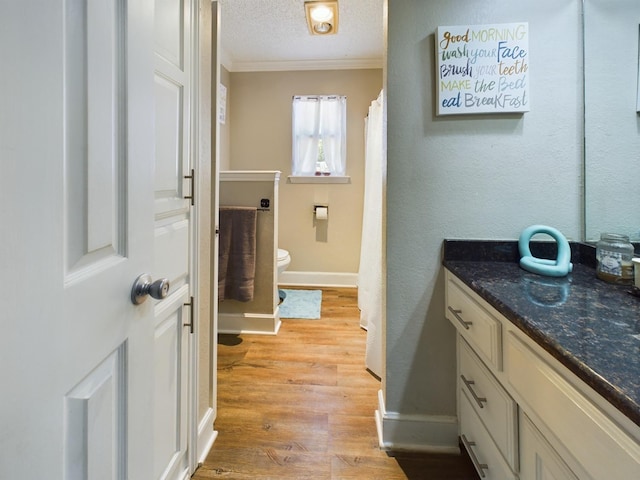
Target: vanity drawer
{"type": "Point", "coordinates": [491, 402]}
{"type": "Point", "coordinates": [481, 329]}
{"type": "Point", "coordinates": [576, 424]}
{"type": "Point", "coordinates": [483, 452]}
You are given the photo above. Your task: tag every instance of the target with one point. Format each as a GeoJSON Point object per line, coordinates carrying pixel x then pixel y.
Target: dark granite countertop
{"type": "Point", "coordinates": [590, 326]}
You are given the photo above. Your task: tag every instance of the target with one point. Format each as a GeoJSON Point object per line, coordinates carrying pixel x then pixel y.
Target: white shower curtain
{"type": "Point", "coordinates": [370, 275]}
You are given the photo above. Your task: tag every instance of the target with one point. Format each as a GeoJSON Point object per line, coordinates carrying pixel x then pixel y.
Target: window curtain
{"type": "Point", "coordinates": [306, 132]}
{"type": "Point", "coordinates": [333, 132]}
{"type": "Point", "coordinates": [315, 118]}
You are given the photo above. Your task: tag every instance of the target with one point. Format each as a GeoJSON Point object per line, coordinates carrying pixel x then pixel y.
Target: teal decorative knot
{"type": "Point", "coordinates": [559, 267]}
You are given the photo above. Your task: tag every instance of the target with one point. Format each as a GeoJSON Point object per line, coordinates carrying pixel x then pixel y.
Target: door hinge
{"type": "Point", "coordinates": [191, 308]}
{"type": "Point", "coordinates": [193, 186]}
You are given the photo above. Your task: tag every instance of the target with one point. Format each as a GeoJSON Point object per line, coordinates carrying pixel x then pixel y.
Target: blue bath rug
{"type": "Point", "coordinates": [301, 304]}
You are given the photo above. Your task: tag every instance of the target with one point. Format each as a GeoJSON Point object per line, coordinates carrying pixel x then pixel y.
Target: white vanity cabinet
{"type": "Point", "coordinates": [522, 414]}
{"type": "Point", "coordinates": [539, 461]}
{"type": "Point", "coordinates": [487, 413]}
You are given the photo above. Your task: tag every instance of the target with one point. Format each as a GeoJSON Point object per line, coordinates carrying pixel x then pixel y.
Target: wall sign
{"type": "Point", "coordinates": [222, 110]}
{"type": "Point", "coordinates": [482, 68]}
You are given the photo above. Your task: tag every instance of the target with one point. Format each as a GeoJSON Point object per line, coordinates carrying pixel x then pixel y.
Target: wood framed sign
{"type": "Point", "coordinates": [482, 68]}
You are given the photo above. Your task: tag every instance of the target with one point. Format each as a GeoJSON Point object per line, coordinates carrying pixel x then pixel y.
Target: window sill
{"type": "Point", "coordinates": [319, 179]}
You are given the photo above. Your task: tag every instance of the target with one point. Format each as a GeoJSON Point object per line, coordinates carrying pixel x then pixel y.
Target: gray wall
{"type": "Point", "coordinates": [612, 125]}
{"type": "Point", "coordinates": [487, 176]}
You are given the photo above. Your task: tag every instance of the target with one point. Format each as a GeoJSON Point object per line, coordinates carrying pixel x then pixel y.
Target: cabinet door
{"type": "Point", "coordinates": [538, 460]}
{"type": "Point", "coordinates": [579, 426]}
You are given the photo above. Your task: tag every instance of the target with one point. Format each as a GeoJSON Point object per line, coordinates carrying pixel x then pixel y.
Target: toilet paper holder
{"type": "Point", "coordinates": [316, 207]}
{"type": "Point", "coordinates": [320, 213]}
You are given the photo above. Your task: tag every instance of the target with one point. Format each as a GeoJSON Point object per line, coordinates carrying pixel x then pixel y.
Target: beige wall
{"type": "Point", "coordinates": [248, 194]}
{"type": "Point", "coordinates": [259, 111]}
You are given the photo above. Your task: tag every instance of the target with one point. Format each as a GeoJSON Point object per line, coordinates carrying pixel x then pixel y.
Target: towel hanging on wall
{"type": "Point", "coordinates": [237, 253]}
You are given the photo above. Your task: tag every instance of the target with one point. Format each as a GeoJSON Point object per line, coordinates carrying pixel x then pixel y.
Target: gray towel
{"type": "Point", "coordinates": [237, 253]}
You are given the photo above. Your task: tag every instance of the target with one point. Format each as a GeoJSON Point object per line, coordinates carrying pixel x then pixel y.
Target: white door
{"type": "Point", "coordinates": [87, 375]}
{"type": "Point", "coordinates": [173, 181]}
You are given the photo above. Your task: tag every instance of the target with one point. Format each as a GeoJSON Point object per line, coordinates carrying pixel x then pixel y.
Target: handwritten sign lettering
{"type": "Point", "coordinates": [483, 68]}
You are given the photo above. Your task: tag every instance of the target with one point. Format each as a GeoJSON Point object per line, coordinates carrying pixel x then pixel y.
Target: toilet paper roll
{"type": "Point", "coordinates": [322, 213]}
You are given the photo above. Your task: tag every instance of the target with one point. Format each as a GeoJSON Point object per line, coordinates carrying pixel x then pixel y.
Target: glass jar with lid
{"type": "Point", "coordinates": [613, 256]}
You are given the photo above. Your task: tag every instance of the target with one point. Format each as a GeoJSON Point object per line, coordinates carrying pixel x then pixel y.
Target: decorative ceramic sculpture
{"type": "Point", "coordinates": [559, 267]}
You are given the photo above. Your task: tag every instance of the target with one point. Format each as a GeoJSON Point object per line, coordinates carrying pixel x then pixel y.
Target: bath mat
{"type": "Point", "coordinates": [301, 304]}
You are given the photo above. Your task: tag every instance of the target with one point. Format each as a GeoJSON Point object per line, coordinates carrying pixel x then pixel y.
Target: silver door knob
{"type": "Point", "coordinates": [143, 286]}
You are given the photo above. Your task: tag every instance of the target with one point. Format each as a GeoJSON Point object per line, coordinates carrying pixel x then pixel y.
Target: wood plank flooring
{"type": "Point", "coordinates": [300, 405]}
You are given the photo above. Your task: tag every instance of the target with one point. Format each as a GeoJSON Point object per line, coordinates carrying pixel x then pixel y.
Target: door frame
{"type": "Point", "coordinates": [195, 161]}
{"type": "Point", "coordinates": [203, 138]}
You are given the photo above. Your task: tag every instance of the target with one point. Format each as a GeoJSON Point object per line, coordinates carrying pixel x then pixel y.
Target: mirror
{"type": "Point", "coordinates": [612, 123]}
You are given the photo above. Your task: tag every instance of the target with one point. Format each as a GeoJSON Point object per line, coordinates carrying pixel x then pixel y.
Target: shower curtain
{"type": "Point", "coordinates": [370, 274]}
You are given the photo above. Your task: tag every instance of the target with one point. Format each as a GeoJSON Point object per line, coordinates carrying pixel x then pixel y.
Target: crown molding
{"type": "Point", "coordinates": [295, 65]}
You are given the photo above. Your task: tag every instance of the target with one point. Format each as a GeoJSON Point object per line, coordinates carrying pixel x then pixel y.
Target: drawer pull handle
{"type": "Point", "coordinates": [480, 467]}
{"type": "Point", "coordinates": [456, 313]}
{"type": "Point", "coordinates": [479, 400]}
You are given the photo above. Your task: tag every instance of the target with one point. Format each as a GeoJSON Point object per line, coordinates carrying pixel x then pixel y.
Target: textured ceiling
{"type": "Point", "coordinates": [273, 35]}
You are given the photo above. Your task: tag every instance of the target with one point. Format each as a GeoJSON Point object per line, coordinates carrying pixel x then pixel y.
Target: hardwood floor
{"type": "Point", "coordinates": [300, 405]}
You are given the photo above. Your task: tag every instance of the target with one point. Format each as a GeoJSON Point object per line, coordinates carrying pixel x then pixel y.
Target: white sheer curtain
{"type": "Point", "coordinates": [306, 129]}
{"type": "Point", "coordinates": [333, 130]}
{"type": "Point", "coordinates": [315, 118]}
{"type": "Point", "coordinates": [370, 275]}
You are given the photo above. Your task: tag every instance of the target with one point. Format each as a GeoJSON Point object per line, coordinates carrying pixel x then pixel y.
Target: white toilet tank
{"type": "Point", "coordinates": [284, 259]}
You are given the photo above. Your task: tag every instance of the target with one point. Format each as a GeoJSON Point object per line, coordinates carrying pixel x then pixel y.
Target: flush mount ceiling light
{"type": "Point", "coordinates": [322, 17]}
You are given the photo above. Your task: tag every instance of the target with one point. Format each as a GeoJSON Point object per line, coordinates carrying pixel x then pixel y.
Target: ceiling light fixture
{"type": "Point", "coordinates": [322, 17]}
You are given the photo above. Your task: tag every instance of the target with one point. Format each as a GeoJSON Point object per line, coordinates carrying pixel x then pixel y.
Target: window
{"type": "Point", "coordinates": [319, 136]}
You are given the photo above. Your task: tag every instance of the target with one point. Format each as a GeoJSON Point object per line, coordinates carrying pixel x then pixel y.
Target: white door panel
{"type": "Point", "coordinates": [169, 146]}
{"type": "Point", "coordinates": [170, 31]}
{"type": "Point", "coordinates": [94, 119]}
{"type": "Point", "coordinates": [173, 231]}
{"type": "Point", "coordinates": [170, 374]}
{"type": "Point", "coordinates": [78, 149]}
{"type": "Point", "coordinates": [94, 386]}
{"type": "Point", "coordinates": [95, 423]}
{"type": "Point", "coordinates": [171, 251]}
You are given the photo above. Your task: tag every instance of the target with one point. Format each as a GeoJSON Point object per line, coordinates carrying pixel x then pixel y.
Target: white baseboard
{"type": "Point", "coordinates": [418, 433]}
{"type": "Point", "coordinates": [255, 323]}
{"type": "Point", "coordinates": [206, 436]}
{"type": "Point", "coordinates": [318, 279]}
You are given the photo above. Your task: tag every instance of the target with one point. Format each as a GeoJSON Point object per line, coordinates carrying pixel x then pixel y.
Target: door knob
{"type": "Point", "coordinates": [143, 286]}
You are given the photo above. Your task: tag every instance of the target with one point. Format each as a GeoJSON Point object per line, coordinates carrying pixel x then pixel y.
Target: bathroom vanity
{"type": "Point", "coordinates": [548, 368]}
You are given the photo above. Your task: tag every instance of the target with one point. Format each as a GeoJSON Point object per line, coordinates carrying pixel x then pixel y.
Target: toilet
{"type": "Point", "coordinates": [284, 259]}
